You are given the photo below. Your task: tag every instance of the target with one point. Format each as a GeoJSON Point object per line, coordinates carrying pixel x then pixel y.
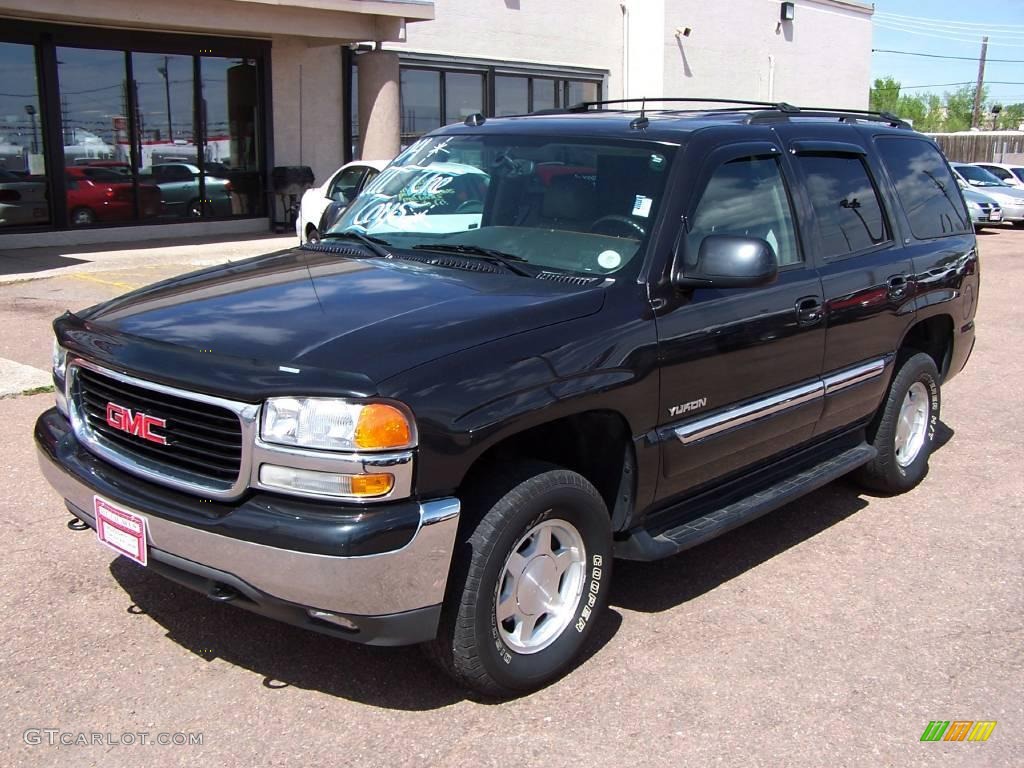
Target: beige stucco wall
{"type": "Point", "coordinates": [822, 58]}
{"type": "Point", "coordinates": [307, 97]}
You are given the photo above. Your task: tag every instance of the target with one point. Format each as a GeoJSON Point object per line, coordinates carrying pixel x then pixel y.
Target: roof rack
{"type": "Point", "coordinates": [765, 111]}
{"type": "Point", "coordinates": [583, 106]}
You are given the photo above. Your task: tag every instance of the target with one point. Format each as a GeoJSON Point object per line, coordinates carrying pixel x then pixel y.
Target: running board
{"type": "Point", "coordinates": [641, 545]}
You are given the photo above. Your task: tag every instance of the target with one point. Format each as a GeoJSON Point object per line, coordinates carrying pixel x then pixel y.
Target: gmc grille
{"type": "Point", "coordinates": [204, 441]}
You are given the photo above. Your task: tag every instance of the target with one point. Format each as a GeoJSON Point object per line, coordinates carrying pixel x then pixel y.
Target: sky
{"type": "Point", "coordinates": [897, 26]}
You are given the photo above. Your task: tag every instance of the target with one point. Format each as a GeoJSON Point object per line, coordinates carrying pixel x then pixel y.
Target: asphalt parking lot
{"type": "Point", "coordinates": [827, 633]}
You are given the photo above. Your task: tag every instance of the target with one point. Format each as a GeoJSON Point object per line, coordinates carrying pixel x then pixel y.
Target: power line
{"type": "Point", "coordinates": [982, 25]}
{"type": "Point", "coordinates": [935, 34]}
{"type": "Point", "coordinates": [940, 56]}
{"type": "Point", "coordinates": [944, 85]}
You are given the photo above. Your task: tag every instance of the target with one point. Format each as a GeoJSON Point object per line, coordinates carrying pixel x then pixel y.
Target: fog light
{"type": "Point", "coordinates": [325, 483]}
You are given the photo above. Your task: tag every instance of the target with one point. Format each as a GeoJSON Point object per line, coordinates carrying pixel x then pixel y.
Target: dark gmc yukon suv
{"type": "Point", "coordinates": [530, 346]}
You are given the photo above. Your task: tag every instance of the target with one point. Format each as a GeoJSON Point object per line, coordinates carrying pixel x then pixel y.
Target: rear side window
{"type": "Point", "coordinates": [746, 197]}
{"type": "Point", "coordinates": [926, 189]}
{"type": "Point", "coordinates": [845, 203]}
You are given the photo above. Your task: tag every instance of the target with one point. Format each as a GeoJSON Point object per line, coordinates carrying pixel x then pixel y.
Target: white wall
{"type": "Point", "coordinates": [576, 33]}
{"type": "Point", "coordinates": [822, 58]}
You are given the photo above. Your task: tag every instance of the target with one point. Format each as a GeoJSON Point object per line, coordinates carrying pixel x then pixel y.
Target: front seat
{"type": "Point", "coordinates": [570, 202]}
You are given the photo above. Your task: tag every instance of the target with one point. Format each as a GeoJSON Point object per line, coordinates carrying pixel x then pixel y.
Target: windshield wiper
{"type": "Point", "coordinates": [373, 244]}
{"type": "Point", "coordinates": [507, 260]}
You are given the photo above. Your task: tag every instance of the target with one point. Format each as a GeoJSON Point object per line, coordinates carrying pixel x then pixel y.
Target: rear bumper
{"type": "Point", "coordinates": [390, 596]}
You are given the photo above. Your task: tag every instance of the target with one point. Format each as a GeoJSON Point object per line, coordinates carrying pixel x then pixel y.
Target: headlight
{"type": "Point", "coordinates": [335, 425]}
{"type": "Point", "coordinates": [60, 359]}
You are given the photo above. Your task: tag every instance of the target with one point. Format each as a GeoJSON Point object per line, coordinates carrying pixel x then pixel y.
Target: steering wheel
{"type": "Point", "coordinates": [470, 206]}
{"type": "Point", "coordinates": [614, 225]}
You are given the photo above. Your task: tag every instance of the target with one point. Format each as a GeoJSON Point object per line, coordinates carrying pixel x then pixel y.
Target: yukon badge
{"type": "Point", "coordinates": [693, 405]}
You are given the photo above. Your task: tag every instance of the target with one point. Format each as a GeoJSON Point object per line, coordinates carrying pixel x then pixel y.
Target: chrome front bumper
{"type": "Point", "coordinates": [406, 579]}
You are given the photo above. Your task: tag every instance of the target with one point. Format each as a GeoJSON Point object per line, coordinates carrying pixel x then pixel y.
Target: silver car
{"type": "Point", "coordinates": [984, 210]}
{"type": "Point", "coordinates": [1009, 199]}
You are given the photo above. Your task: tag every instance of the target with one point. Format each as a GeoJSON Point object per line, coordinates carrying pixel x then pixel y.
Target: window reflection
{"type": "Point", "coordinates": [510, 96]}
{"type": "Point", "coordinates": [464, 95]}
{"type": "Point", "coordinates": [97, 146]}
{"type": "Point", "coordinates": [230, 104]}
{"type": "Point", "coordinates": [420, 91]}
{"type": "Point", "coordinates": [23, 198]}
{"type": "Point", "coordinates": [166, 151]}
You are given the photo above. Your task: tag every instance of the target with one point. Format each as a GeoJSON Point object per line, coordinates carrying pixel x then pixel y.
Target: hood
{"type": "Point", "coordinates": [373, 317]}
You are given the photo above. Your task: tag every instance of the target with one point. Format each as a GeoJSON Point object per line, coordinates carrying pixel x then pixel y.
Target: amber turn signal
{"type": "Point", "coordinates": [382, 426]}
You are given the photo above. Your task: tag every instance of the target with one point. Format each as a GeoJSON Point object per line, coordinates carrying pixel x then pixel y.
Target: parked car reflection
{"type": "Point", "coordinates": [22, 200]}
{"type": "Point", "coordinates": [96, 194]}
{"type": "Point", "coordinates": [180, 191]}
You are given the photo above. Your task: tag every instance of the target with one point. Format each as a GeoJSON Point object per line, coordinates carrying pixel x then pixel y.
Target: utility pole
{"type": "Point", "coordinates": [976, 117]}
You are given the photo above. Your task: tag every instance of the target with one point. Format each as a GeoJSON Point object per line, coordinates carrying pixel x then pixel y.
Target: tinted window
{"type": "Point", "coordinates": [926, 189]}
{"type": "Point", "coordinates": [345, 184]}
{"type": "Point", "coordinates": [845, 203]}
{"type": "Point", "coordinates": [1019, 173]}
{"type": "Point", "coordinates": [745, 197]}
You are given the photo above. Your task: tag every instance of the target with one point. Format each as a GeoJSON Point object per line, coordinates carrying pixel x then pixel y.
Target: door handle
{"type": "Point", "coordinates": [897, 285]}
{"type": "Point", "coordinates": [809, 310]}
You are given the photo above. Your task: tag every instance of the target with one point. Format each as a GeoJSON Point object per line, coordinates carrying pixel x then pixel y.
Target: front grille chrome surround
{"type": "Point", "coordinates": [168, 474]}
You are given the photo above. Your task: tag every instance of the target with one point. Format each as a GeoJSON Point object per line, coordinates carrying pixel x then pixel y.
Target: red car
{"type": "Point", "coordinates": [105, 194]}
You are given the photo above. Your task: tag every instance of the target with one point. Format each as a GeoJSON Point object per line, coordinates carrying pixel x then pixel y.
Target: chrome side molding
{"type": "Point", "coordinates": [708, 426]}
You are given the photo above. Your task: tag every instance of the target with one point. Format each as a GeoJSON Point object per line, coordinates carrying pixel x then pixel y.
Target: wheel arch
{"type": "Point", "coordinates": [933, 336]}
{"type": "Point", "coordinates": [596, 444]}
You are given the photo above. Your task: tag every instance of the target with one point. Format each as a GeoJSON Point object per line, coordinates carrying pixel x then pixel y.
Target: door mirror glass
{"type": "Point", "coordinates": [729, 261]}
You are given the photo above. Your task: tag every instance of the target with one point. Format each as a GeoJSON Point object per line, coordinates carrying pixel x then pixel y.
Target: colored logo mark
{"type": "Point", "coordinates": [958, 730]}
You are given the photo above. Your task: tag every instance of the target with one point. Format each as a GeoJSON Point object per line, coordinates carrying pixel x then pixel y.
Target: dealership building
{"type": "Point", "coordinates": [120, 117]}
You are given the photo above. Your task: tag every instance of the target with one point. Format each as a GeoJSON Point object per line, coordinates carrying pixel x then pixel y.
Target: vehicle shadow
{"type": "Point", "coordinates": [665, 584]}
{"type": "Point", "coordinates": [39, 259]}
{"type": "Point", "coordinates": [286, 656]}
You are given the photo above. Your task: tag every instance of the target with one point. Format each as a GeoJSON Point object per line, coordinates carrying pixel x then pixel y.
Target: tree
{"type": "Point", "coordinates": [1010, 118]}
{"type": "Point", "coordinates": [885, 95]}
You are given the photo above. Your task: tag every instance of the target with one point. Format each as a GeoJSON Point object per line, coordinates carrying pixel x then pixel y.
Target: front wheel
{"type": "Point", "coordinates": [903, 431]}
{"type": "Point", "coordinates": [528, 584]}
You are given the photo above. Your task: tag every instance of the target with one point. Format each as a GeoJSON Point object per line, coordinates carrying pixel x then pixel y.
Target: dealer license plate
{"type": "Point", "coordinates": [121, 530]}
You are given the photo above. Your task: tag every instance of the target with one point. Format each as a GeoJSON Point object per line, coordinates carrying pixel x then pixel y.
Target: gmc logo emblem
{"type": "Point", "coordinates": [138, 424]}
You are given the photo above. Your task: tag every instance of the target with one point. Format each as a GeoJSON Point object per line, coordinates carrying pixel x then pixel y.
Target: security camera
{"type": "Point", "coordinates": [683, 31]}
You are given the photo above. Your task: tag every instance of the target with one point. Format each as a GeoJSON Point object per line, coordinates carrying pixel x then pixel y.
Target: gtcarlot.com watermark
{"type": "Point", "coordinates": [56, 737]}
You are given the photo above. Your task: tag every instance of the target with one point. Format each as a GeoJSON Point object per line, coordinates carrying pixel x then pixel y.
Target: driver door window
{"type": "Point", "coordinates": [745, 197]}
{"type": "Point", "coordinates": [345, 185]}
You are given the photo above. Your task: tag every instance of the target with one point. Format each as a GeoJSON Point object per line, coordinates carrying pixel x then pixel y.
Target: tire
{"type": "Point", "coordinates": [1018, 224]}
{"type": "Point", "coordinates": [312, 236]}
{"type": "Point", "coordinates": [82, 217]}
{"type": "Point", "coordinates": [902, 460]}
{"type": "Point", "coordinates": [500, 658]}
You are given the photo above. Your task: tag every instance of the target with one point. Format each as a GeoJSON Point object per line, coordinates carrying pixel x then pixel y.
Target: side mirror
{"type": "Point", "coordinates": [728, 261]}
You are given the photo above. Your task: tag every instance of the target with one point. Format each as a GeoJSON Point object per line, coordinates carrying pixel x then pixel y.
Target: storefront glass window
{"type": "Point", "coordinates": [421, 101]}
{"type": "Point", "coordinates": [167, 152]}
{"type": "Point", "coordinates": [543, 94]}
{"type": "Point", "coordinates": [230, 127]}
{"type": "Point", "coordinates": [464, 95]}
{"type": "Point", "coordinates": [23, 199]}
{"type": "Point", "coordinates": [97, 147]}
{"type": "Point", "coordinates": [577, 91]}
{"type": "Point", "coordinates": [510, 96]}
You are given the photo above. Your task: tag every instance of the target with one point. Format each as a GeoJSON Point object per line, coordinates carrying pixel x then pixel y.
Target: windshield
{"type": "Point", "coordinates": [554, 203]}
{"type": "Point", "coordinates": [979, 176]}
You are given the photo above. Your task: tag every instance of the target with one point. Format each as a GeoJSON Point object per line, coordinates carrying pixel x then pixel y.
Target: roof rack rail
{"type": "Point", "coordinates": [765, 110]}
{"type": "Point", "coordinates": [583, 106]}
{"type": "Point", "coordinates": [769, 115]}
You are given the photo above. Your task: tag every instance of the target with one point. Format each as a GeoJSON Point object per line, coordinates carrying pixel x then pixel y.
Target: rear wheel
{"type": "Point", "coordinates": [312, 235]}
{"type": "Point", "coordinates": [528, 584]}
{"type": "Point", "coordinates": [903, 431]}
{"type": "Point", "coordinates": [1018, 224]}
